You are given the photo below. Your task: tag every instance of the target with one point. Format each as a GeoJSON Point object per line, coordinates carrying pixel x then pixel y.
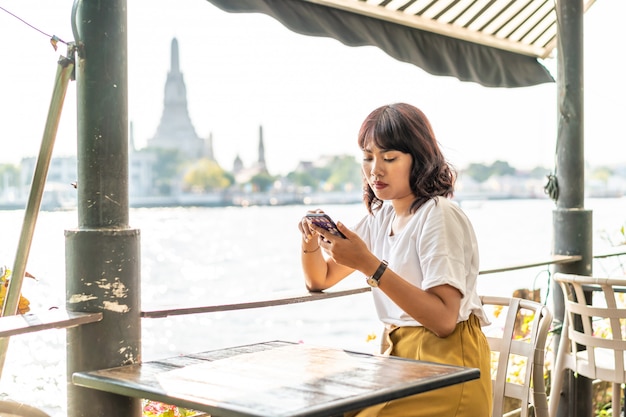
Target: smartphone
{"type": "Point", "coordinates": [324, 221]}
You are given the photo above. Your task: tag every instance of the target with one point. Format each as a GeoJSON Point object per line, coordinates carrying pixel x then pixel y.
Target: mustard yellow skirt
{"type": "Point", "coordinates": [466, 346]}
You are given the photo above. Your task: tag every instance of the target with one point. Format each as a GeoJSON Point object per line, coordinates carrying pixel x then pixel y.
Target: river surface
{"type": "Point", "coordinates": [193, 256]}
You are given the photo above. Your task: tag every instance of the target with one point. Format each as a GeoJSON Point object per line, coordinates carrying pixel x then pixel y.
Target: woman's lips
{"type": "Point", "coordinates": [378, 185]}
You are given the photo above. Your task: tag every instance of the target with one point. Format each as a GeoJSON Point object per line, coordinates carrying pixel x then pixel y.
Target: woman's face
{"type": "Point", "coordinates": [387, 172]}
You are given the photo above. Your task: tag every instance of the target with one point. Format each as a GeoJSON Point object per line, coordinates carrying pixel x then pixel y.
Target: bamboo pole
{"type": "Point", "coordinates": [65, 70]}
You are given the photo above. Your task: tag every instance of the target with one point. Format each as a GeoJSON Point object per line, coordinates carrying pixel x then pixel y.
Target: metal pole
{"type": "Point", "coordinates": [572, 223]}
{"type": "Point", "coordinates": [102, 254]}
{"type": "Point", "coordinates": [64, 73]}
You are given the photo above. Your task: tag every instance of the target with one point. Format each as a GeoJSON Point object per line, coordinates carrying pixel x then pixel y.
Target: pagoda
{"type": "Point", "coordinates": [175, 129]}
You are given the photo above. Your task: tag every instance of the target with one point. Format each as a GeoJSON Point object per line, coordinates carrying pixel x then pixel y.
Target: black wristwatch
{"type": "Point", "coordinates": [375, 279]}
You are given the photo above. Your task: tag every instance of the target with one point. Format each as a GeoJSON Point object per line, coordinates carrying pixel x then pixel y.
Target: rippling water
{"type": "Point", "coordinates": [192, 256]}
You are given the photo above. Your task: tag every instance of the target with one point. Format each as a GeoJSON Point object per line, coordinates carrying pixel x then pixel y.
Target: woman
{"type": "Point", "coordinates": [418, 251]}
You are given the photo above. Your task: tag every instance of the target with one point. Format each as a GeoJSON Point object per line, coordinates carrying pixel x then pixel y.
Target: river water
{"type": "Point", "coordinates": [194, 256]}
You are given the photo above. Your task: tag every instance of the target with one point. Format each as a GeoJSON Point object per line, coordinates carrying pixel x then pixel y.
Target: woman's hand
{"type": "Point", "coordinates": [305, 227]}
{"type": "Point", "coordinates": [322, 272]}
{"type": "Point", "coordinates": [350, 251]}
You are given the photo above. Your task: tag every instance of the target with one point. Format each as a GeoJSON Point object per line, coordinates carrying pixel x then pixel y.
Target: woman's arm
{"type": "Point", "coordinates": [436, 308]}
{"type": "Point", "coordinates": [320, 273]}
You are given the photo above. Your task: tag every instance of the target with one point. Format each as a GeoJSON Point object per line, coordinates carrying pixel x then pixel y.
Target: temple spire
{"type": "Point", "coordinates": [175, 130]}
{"type": "Point", "coordinates": [174, 66]}
{"type": "Point", "coordinates": [261, 147]}
{"type": "Point", "coordinates": [209, 148]}
{"type": "Point", "coordinates": [261, 166]}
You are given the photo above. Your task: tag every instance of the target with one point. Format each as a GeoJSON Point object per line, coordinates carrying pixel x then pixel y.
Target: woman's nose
{"type": "Point", "coordinates": [375, 170]}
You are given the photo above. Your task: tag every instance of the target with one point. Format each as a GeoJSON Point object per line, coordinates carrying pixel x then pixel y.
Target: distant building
{"type": "Point", "coordinates": [62, 171]}
{"type": "Point", "coordinates": [175, 130]}
{"type": "Point", "coordinates": [60, 188]}
{"type": "Point", "coordinates": [243, 174]}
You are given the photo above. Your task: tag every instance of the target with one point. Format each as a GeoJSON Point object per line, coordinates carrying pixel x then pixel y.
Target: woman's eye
{"type": "Point", "coordinates": [390, 159]}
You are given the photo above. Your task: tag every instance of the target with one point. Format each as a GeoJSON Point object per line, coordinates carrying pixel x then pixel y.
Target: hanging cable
{"type": "Point", "coordinates": [54, 40]}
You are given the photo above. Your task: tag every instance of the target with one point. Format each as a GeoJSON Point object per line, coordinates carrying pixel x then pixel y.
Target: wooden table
{"type": "Point", "coordinates": [275, 379]}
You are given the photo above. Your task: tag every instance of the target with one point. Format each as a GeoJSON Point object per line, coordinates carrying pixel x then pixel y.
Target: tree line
{"type": "Point", "coordinates": [332, 173]}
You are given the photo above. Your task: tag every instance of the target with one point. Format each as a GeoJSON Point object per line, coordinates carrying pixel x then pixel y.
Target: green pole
{"type": "Point", "coordinates": [572, 223]}
{"type": "Point", "coordinates": [102, 253]}
{"type": "Point", "coordinates": [64, 73]}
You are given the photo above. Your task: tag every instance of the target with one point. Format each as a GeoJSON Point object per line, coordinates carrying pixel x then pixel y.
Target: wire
{"type": "Point", "coordinates": [74, 27]}
{"type": "Point", "coordinates": [53, 38]}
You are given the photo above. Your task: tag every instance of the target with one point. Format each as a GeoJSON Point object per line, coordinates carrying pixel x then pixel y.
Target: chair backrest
{"type": "Point", "coordinates": [592, 341]}
{"type": "Point", "coordinates": [15, 409]}
{"type": "Point", "coordinates": [597, 327]}
{"type": "Point", "coordinates": [517, 338]}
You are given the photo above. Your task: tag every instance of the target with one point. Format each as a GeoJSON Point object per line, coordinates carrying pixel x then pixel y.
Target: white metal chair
{"type": "Point", "coordinates": [597, 350]}
{"type": "Point", "coordinates": [517, 337]}
{"type": "Point", "coordinates": [15, 409]}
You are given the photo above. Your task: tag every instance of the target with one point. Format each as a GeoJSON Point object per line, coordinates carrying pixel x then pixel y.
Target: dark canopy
{"type": "Point", "coordinates": [456, 53]}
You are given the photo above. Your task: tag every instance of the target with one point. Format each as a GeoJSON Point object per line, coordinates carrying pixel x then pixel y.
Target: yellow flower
{"type": "Point", "coordinates": [23, 306]}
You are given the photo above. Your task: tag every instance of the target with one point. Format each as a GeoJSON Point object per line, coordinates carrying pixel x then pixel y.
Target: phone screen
{"type": "Point", "coordinates": [324, 221]}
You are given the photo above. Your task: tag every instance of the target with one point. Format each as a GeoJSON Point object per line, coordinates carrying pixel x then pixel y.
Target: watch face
{"type": "Point", "coordinates": [372, 282]}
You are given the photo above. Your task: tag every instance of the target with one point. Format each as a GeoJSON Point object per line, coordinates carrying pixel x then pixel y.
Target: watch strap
{"type": "Point", "coordinates": [379, 271]}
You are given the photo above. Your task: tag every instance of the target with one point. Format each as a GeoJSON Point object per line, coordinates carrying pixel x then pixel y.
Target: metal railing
{"type": "Point", "coordinates": [58, 319]}
{"type": "Point", "coordinates": [293, 298]}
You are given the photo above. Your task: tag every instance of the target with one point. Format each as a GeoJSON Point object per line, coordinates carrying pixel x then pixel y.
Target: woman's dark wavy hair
{"type": "Point", "coordinates": [405, 128]}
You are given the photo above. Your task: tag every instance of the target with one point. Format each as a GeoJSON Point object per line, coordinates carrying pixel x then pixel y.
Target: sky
{"type": "Point", "coordinates": [310, 94]}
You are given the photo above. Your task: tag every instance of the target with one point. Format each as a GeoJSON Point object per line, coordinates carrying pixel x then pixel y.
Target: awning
{"type": "Point", "coordinates": [496, 43]}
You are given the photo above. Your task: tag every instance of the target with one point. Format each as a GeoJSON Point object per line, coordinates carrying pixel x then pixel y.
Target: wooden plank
{"type": "Point", "coordinates": [616, 252]}
{"type": "Point", "coordinates": [52, 319]}
{"type": "Point", "coordinates": [287, 299]}
{"type": "Point", "coordinates": [276, 379]}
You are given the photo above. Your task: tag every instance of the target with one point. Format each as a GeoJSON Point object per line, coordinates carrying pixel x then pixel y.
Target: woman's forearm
{"type": "Point", "coordinates": [314, 266]}
{"type": "Point", "coordinates": [436, 309]}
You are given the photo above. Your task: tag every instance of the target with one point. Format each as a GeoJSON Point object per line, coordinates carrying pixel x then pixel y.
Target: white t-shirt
{"type": "Point", "coordinates": [437, 246]}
